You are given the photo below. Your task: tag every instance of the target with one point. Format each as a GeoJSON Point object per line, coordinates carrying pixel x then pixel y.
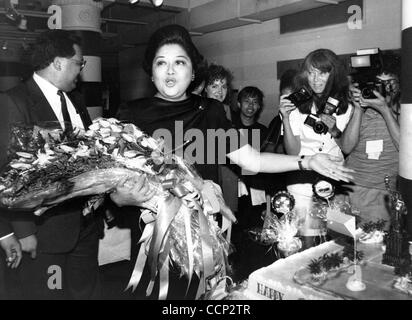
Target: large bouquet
{"type": "Point", "coordinates": [49, 166]}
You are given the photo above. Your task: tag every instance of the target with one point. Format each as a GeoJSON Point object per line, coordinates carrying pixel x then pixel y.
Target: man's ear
{"type": "Point", "coordinates": [57, 63]}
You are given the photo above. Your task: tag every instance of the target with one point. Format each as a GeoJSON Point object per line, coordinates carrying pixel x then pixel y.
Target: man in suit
{"type": "Point", "coordinates": [60, 248]}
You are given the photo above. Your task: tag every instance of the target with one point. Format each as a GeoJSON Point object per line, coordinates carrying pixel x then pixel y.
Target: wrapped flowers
{"type": "Point", "coordinates": [48, 167]}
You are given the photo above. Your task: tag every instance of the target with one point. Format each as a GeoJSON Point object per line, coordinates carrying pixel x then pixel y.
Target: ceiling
{"type": "Point", "coordinates": [125, 25]}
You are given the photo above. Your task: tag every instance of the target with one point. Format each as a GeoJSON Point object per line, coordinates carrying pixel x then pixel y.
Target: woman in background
{"type": "Point", "coordinates": [323, 76]}
{"type": "Point", "coordinates": [219, 86]}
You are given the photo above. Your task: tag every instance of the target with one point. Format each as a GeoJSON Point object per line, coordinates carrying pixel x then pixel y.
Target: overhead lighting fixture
{"type": "Point", "coordinates": [14, 17]}
{"type": "Point", "coordinates": [156, 3]}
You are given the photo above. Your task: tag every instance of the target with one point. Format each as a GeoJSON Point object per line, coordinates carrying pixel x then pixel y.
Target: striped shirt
{"type": "Point", "coordinates": [371, 173]}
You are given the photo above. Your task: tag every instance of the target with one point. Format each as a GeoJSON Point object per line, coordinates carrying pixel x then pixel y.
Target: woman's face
{"type": "Point", "coordinates": [317, 80]}
{"type": "Point", "coordinates": [172, 72]}
{"type": "Point", "coordinates": [217, 90]}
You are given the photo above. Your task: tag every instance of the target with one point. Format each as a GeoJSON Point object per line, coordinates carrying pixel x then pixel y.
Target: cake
{"type": "Point", "coordinates": [275, 282]}
{"type": "Point", "coordinates": [279, 280]}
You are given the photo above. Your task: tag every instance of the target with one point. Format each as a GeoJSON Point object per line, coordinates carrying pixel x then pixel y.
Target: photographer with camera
{"type": "Point", "coordinates": [372, 142]}
{"type": "Point", "coordinates": [313, 120]}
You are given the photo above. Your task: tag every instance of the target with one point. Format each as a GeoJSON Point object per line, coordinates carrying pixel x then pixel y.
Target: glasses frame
{"type": "Point", "coordinates": [81, 63]}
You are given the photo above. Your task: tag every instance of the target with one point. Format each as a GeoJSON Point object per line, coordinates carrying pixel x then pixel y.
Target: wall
{"type": "Point", "coordinates": [251, 52]}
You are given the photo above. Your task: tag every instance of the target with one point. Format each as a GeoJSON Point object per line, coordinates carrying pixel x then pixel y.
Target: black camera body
{"type": "Point", "coordinates": [366, 65]}
{"type": "Point", "coordinates": [368, 87]}
{"type": "Point", "coordinates": [317, 125]}
{"type": "Point", "coordinates": [300, 96]}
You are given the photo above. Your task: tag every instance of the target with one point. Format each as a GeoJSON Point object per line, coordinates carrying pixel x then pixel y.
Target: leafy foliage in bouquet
{"type": "Point", "coordinates": [48, 167]}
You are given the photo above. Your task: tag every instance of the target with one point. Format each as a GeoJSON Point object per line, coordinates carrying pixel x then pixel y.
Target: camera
{"type": "Point", "coordinates": [368, 88]}
{"type": "Point", "coordinates": [318, 126]}
{"type": "Point", "coordinates": [367, 64]}
{"type": "Point", "coordinates": [300, 97]}
{"type": "Point", "coordinates": [313, 121]}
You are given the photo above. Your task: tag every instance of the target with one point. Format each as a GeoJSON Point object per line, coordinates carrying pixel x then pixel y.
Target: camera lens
{"type": "Point", "coordinates": [367, 93]}
{"type": "Point", "coordinates": [320, 127]}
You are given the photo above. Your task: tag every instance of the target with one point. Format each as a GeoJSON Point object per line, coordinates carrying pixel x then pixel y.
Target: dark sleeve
{"type": "Point", "coordinates": [273, 132]}
{"type": "Point", "coordinates": [22, 223]}
{"type": "Point", "coordinates": [123, 112]}
{"type": "Point", "coordinates": [5, 228]}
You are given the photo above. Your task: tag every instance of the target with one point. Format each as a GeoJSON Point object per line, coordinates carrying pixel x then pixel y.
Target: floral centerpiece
{"type": "Point", "coordinates": [48, 166]}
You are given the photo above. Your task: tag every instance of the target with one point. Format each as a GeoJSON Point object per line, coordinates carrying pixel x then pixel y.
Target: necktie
{"type": "Point", "coordinates": [66, 117]}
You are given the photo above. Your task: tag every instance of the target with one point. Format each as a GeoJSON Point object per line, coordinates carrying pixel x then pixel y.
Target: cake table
{"type": "Point", "coordinates": [276, 282]}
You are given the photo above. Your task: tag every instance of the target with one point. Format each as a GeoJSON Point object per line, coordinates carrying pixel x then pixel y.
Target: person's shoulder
{"type": "Point", "coordinates": [261, 126]}
{"type": "Point", "coordinates": [19, 89]}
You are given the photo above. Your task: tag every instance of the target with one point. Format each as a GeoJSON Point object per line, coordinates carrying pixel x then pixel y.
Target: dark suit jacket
{"type": "Point", "coordinates": [5, 228]}
{"type": "Point", "coordinates": [58, 229]}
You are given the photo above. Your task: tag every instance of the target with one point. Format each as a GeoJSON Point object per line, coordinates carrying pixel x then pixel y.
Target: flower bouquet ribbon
{"type": "Point", "coordinates": [48, 166]}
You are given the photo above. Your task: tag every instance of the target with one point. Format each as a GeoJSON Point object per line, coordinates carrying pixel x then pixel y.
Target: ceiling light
{"type": "Point", "coordinates": [133, 1]}
{"type": "Point", "coordinates": [22, 24]}
{"type": "Point", "coordinates": [157, 3]}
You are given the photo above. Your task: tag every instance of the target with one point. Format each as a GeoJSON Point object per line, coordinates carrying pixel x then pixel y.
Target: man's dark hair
{"type": "Point", "coordinates": [251, 92]}
{"type": "Point", "coordinates": [287, 80]}
{"type": "Point", "coordinates": [51, 44]}
{"type": "Point", "coordinates": [171, 34]}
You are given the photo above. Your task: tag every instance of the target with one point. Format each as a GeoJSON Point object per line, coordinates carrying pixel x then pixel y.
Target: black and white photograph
{"type": "Point", "coordinates": [206, 155]}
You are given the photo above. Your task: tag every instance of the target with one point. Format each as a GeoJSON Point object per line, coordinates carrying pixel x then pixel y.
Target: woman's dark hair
{"type": "Point", "coordinates": [200, 76]}
{"type": "Point", "coordinates": [337, 86]}
{"type": "Point", "coordinates": [51, 44]}
{"type": "Point", "coordinates": [218, 72]}
{"type": "Point", "coordinates": [171, 34]}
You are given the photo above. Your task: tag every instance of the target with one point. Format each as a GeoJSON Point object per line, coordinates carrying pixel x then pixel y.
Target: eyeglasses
{"type": "Point", "coordinates": [81, 63]}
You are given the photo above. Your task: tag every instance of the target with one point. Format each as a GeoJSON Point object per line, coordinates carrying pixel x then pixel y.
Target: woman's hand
{"type": "Point", "coordinates": [330, 122]}
{"type": "Point", "coordinates": [329, 166]}
{"type": "Point", "coordinates": [132, 191]}
{"type": "Point", "coordinates": [286, 107]}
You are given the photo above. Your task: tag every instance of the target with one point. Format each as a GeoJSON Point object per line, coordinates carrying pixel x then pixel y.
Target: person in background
{"type": "Point", "coordinates": [62, 236]}
{"type": "Point", "coordinates": [199, 82]}
{"type": "Point", "coordinates": [251, 187]}
{"type": "Point", "coordinates": [172, 60]}
{"type": "Point", "coordinates": [219, 85]}
{"type": "Point", "coordinates": [323, 76]}
{"type": "Point", "coordinates": [274, 140]}
{"type": "Point", "coordinates": [371, 141]}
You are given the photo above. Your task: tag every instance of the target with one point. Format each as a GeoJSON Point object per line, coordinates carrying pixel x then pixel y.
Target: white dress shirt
{"type": "Point", "coordinates": [50, 92]}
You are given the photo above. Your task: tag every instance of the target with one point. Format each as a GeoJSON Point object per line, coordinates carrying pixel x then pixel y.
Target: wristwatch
{"type": "Point", "coordinates": [300, 161]}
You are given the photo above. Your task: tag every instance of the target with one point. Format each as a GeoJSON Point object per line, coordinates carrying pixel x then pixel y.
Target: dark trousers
{"type": "Point", "coordinates": [2, 275]}
{"type": "Point", "coordinates": [72, 275]}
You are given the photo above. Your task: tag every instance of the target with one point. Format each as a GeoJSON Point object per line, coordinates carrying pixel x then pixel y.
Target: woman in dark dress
{"type": "Point", "coordinates": [172, 60]}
